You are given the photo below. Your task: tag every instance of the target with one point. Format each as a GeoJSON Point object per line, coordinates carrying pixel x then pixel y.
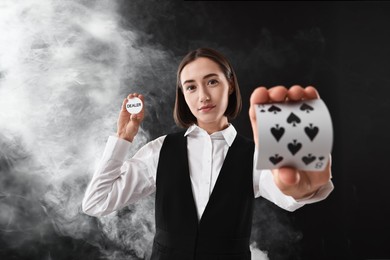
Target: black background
{"type": "Point", "coordinates": [342, 48]}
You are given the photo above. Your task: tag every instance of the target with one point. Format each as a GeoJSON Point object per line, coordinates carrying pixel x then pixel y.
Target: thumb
{"type": "Point", "coordinates": [258, 96]}
{"type": "Point", "coordinates": [285, 178]}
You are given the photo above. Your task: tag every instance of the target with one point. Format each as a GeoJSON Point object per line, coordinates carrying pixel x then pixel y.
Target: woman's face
{"type": "Point", "coordinates": [206, 92]}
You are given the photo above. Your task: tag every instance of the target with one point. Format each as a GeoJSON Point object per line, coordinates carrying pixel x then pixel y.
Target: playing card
{"type": "Point", "coordinates": [294, 134]}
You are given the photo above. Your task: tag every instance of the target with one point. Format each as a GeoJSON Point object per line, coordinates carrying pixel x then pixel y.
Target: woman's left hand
{"type": "Point", "coordinates": [290, 181]}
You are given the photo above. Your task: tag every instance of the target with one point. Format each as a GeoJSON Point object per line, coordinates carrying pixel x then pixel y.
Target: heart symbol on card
{"type": "Point", "coordinates": [306, 107]}
{"type": "Point", "coordinates": [308, 159]}
{"type": "Point", "coordinates": [277, 132]}
{"type": "Point", "coordinates": [276, 159]}
{"type": "Point", "coordinates": [311, 131]}
{"type": "Point", "coordinates": [274, 109]}
{"type": "Point", "coordinates": [294, 147]}
{"type": "Point", "coordinates": [293, 119]}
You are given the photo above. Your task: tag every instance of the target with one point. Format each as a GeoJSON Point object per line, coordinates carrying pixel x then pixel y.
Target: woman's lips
{"type": "Point", "coordinates": [206, 108]}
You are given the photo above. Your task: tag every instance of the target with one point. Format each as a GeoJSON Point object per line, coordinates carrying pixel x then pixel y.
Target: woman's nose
{"type": "Point", "coordinates": [204, 95]}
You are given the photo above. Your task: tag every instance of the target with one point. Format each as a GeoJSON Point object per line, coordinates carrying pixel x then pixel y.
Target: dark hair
{"type": "Point", "coordinates": [182, 113]}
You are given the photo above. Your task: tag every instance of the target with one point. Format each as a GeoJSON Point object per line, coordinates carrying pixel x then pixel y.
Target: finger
{"type": "Point", "coordinates": [124, 105]}
{"type": "Point", "coordinates": [295, 93]}
{"type": "Point", "coordinates": [136, 118]}
{"type": "Point", "coordinates": [130, 96]}
{"type": "Point", "coordinates": [259, 96]}
{"type": "Point", "coordinates": [133, 117]}
{"type": "Point", "coordinates": [310, 93]}
{"type": "Point", "coordinates": [277, 93]}
{"type": "Point", "coordinates": [140, 96]}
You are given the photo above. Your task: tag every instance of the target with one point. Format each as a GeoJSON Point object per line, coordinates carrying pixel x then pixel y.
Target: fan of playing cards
{"type": "Point", "coordinates": [294, 134]}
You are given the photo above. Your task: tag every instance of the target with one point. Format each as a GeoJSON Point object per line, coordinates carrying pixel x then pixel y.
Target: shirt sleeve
{"type": "Point", "coordinates": [265, 186]}
{"type": "Point", "coordinates": [117, 182]}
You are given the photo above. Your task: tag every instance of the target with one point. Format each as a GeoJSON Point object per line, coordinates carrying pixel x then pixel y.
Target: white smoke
{"type": "Point", "coordinates": [65, 67]}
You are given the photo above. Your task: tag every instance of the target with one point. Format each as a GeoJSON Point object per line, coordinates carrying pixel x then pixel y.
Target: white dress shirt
{"type": "Point", "coordinates": [118, 182]}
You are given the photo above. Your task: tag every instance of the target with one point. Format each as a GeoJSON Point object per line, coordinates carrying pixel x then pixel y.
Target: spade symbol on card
{"type": "Point", "coordinates": [261, 107]}
{"type": "Point", "coordinates": [306, 107]}
{"type": "Point", "coordinates": [311, 131]}
{"type": "Point", "coordinates": [308, 159]}
{"type": "Point", "coordinates": [277, 132]}
{"type": "Point", "coordinates": [274, 109]}
{"type": "Point", "coordinates": [320, 162]}
{"type": "Point", "coordinates": [294, 147]}
{"type": "Point", "coordinates": [276, 159]}
{"type": "Point", "coordinates": [293, 119]}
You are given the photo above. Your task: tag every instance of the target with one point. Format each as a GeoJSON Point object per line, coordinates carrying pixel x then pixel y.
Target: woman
{"type": "Point", "coordinates": [204, 177]}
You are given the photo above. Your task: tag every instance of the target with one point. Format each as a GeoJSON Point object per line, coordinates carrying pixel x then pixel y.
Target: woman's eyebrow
{"type": "Point", "coordinates": [205, 77]}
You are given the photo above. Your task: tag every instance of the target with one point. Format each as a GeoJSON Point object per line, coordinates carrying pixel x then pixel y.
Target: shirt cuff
{"type": "Point", "coordinates": [321, 194]}
{"type": "Point", "coordinates": [270, 191]}
{"type": "Point", "coordinates": [116, 149]}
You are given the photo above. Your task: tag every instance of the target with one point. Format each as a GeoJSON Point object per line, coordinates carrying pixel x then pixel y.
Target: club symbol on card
{"type": "Point", "coordinates": [274, 109]}
{"type": "Point", "coordinates": [311, 131]}
{"type": "Point", "coordinates": [294, 147]}
{"type": "Point", "coordinates": [293, 119]}
{"type": "Point", "coordinates": [308, 159]}
{"type": "Point", "coordinates": [277, 132]}
{"type": "Point", "coordinates": [306, 107]}
{"type": "Point", "coordinates": [276, 159]}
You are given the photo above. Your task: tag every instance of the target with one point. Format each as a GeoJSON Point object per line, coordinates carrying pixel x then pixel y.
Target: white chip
{"type": "Point", "coordinates": [134, 105]}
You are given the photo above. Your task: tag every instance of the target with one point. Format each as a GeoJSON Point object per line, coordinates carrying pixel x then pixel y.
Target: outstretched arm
{"type": "Point", "coordinates": [296, 183]}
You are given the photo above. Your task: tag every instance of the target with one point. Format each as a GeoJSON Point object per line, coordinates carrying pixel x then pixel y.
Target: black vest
{"type": "Point", "coordinates": [223, 232]}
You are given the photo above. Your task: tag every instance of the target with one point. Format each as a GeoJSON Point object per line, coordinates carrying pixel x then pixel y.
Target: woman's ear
{"type": "Point", "coordinates": [231, 89]}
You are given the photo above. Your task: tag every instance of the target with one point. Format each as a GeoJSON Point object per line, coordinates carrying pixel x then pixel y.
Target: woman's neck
{"type": "Point", "coordinates": [213, 127]}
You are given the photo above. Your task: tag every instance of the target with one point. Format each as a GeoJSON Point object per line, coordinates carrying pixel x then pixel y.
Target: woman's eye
{"type": "Point", "coordinates": [213, 82]}
{"type": "Point", "coordinates": [190, 88]}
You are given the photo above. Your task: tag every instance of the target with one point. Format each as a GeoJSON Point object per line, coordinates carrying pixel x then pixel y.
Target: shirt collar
{"type": "Point", "coordinates": [229, 133]}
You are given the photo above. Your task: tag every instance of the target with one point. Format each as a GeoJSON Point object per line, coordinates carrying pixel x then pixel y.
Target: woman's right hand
{"type": "Point", "coordinates": [128, 124]}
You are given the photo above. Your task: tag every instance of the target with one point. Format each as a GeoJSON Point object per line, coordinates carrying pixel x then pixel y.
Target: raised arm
{"type": "Point", "coordinates": [118, 182]}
